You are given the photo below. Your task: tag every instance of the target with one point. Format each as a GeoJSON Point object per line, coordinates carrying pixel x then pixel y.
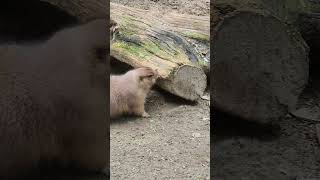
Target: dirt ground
{"type": "Point", "coordinates": [194, 7]}
{"type": "Point", "coordinates": [174, 143]}
{"type": "Point", "coordinates": [287, 149]}
{"type": "Point", "coordinates": [245, 151]}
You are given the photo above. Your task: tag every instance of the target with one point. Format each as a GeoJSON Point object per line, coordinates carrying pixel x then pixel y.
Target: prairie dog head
{"type": "Point", "coordinates": [146, 77]}
{"type": "Point", "coordinates": [113, 29]}
{"type": "Point", "coordinates": [149, 80]}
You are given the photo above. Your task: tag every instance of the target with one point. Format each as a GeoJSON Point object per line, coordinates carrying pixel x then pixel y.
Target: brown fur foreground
{"type": "Point", "coordinates": [53, 103]}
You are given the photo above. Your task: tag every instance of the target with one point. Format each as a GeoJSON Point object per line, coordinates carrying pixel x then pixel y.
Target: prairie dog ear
{"type": "Point", "coordinates": [145, 76]}
{"type": "Point", "coordinates": [156, 72]}
{"type": "Point", "coordinates": [145, 72]}
{"type": "Point", "coordinates": [113, 23]}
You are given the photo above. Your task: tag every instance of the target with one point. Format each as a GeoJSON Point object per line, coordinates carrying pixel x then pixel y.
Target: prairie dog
{"type": "Point", "coordinates": [129, 91]}
{"type": "Point", "coordinates": [53, 103]}
{"type": "Point", "coordinates": [113, 29]}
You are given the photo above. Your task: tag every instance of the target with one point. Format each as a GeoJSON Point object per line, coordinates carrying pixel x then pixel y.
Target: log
{"type": "Point", "coordinates": [303, 14]}
{"type": "Point", "coordinates": [84, 10]}
{"type": "Point", "coordinates": [286, 10]}
{"type": "Point", "coordinates": [162, 42]}
{"type": "Point", "coordinates": [260, 64]}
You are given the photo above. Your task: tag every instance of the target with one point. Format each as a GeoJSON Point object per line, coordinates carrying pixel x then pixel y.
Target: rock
{"type": "Point", "coordinates": [196, 135]}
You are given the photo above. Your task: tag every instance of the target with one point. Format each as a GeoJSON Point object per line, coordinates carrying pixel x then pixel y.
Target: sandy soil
{"type": "Point", "coordinates": [286, 149]}
{"type": "Point", "coordinates": [172, 144]}
{"type": "Point", "coordinates": [242, 150]}
{"type": "Point", "coordinates": [175, 142]}
{"type": "Point", "coordinates": [194, 7]}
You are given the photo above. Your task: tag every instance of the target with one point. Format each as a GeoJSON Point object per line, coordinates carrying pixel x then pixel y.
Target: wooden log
{"type": "Point", "coordinates": [260, 64]}
{"type": "Point", "coordinates": [303, 14]}
{"type": "Point", "coordinates": [84, 10]}
{"type": "Point", "coordinates": [163, 42]}
{"type": "Point", "coordinates": [286, 10]}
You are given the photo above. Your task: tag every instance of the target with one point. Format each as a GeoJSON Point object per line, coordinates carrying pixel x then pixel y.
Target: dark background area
{"type": "Point", "coordinates": [32, 20]}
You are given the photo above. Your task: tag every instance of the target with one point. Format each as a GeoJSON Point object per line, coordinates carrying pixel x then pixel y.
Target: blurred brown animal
{"type": "Point", "coordinates": [53, 103]}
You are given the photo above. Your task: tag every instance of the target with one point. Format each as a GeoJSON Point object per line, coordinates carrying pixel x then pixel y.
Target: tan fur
{"type": "Point", "coordinates": [129, 91]}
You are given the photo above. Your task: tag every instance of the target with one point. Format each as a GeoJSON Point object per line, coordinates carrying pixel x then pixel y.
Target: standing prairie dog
{"type": "Point", "coordinates": [113, 29]}
{"type": "Point", "coordinates": [129, 91]}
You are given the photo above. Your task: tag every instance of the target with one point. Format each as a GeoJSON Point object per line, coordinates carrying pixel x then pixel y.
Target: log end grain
{"type": "Point", "coordinates": [261, 66]}
{"type": "Point", "coordinates": [188, 82]}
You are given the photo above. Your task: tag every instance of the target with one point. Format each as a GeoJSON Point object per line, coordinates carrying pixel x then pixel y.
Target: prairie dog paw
{"type": "Point", "coordinates": [145, 115]}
